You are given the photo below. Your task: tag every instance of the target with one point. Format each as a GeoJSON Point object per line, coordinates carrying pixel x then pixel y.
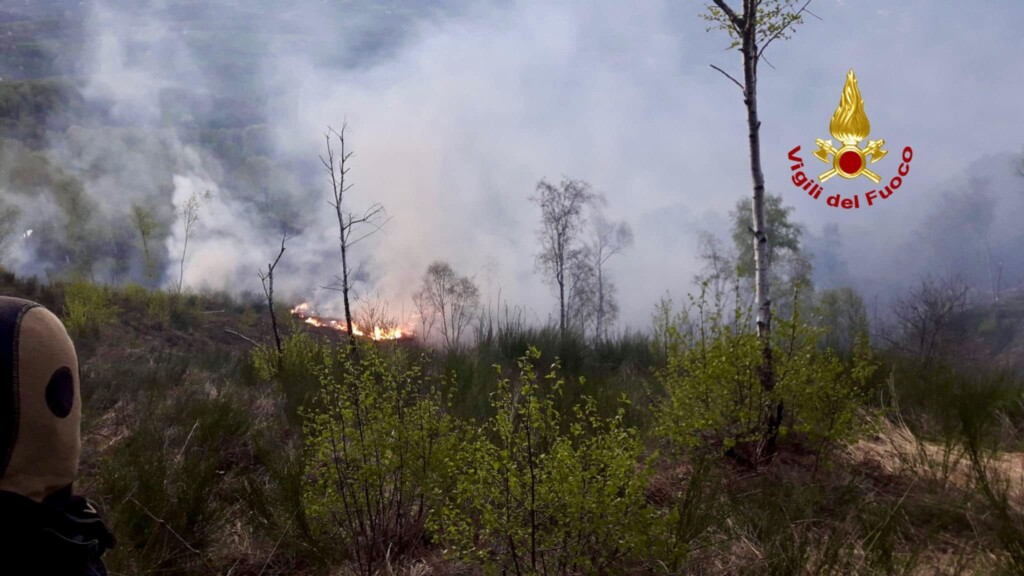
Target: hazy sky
{"type": "Point", "coordinates": [457, 112]}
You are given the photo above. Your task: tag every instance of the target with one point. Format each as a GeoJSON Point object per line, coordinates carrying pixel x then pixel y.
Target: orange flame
{"type": "Point", "coordinates": [305, 313]}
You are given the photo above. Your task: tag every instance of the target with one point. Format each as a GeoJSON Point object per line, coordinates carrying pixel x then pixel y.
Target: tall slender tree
{"type": "Point", "coordinates": [352, 227]}
{"type": "Point", "coordinates": [562, 221]}
{"type": "Point", "coordinates": [450, 298]}
{"type": "Point", "coordinates": [607, 239]}
{"type": "Point", "coordinates": [145, 223]}
{"type": "Point", "coordinates": [752, 30]}
{"type": "Point", "coordinates": [189, 216]}
{"type": "Point", "coordinates": [267, 279]}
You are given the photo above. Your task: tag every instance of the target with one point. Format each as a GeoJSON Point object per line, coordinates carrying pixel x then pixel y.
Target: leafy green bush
{"type": "Point", "coordinates": [136, 296]}
{"type": "Point", "coordinates": [173, 310]}
{"type": "Point", "coordinates": [714, 392]}
{"type": "Point", "coordinates": [298, 370]}
{"type": "Point", "coordinates": [711, 379]}
{"type": "Point", "coordinates": [826, 394]}
{"type": "Point", "coordinates": [87, 308]}
{"type": "Point", "coordinates": [379, 449]}
{"type": "Point", "coordinates": [541, 495]}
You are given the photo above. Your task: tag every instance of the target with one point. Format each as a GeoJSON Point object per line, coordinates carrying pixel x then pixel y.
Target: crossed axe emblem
{"type": "Point", "coordinates": [849, 161]}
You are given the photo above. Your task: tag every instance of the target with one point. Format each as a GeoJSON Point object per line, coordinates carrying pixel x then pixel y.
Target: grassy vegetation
{"type": "Point", "coordinates": [527, 454]}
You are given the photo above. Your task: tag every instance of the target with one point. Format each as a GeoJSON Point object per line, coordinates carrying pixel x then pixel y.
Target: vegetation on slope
{"type": "Point", "coordinates": [208, 455]}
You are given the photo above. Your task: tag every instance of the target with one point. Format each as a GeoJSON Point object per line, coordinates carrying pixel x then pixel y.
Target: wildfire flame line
{"type": "Point", "coordinates": [305, 313]}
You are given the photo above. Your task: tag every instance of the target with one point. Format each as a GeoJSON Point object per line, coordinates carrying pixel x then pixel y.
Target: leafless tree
{"type": "Point", "coordinates": [267, 279]}
{"type": "Point", "coordinates": [421, 300]}
{"type": "Point", "coordinates": [452, 299]}
{"type": "Point", "coordinates": [562, 222]}
{"type": "Point", "coordinates": [719, 272]}
{"type": "Point", "coordinates": [752, 30]}
{"type": "Point", "coordinates": [607, 240]}
{"type": "Point", "coordinates": [925, 320]}
{"type": "Point", "coordinates": [352, 227]}
{"type": "Point", "coordinates": [374, 313]}
{"type": "Point", "coordinates": [189, 217]}
{"type": "Point", "coordinates": [580, 291]}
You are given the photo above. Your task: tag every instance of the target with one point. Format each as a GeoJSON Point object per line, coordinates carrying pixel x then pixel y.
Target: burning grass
{"type": "Point", "coordinates": [382, 331]}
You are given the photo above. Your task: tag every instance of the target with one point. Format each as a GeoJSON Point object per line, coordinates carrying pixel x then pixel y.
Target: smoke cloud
{"type": "Point", "coordinates": [456, 110]}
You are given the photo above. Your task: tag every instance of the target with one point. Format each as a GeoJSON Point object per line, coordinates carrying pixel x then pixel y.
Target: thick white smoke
{"type": "Point", "coordinates": [457, 110]}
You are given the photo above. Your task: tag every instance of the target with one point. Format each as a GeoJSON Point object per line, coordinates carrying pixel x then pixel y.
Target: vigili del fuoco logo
{"type": "Point", "coordinates": [849, 126]}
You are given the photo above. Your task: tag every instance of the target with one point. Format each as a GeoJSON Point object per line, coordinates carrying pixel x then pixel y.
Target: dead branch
{"type": "Point", "coordinates": [167, 526]}
{"type": "Point", "coordinates": [727, 75]}
{"type": "Point", "coordinates": [243, 337]}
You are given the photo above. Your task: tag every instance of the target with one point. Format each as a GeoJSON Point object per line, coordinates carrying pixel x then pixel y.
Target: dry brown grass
{"type": "Point", "coordinates": [895, 450]}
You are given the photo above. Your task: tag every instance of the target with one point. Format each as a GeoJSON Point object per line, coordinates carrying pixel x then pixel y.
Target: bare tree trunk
{"type": "Point", "coordinates": [600, 299]}
{"type": "Point", "coordinates": [561, 301]}
{"type": "Point", "coordinates": [347, 221]}
{"type": "Point", "coordinates": [764, 310]}
{"type": "Point", "coordinates": [994, 271]}
{"type": "Point", "coordinates": [181, 264]}
{"type": "Point", "coordinates": [776, 20]}
{"type": "Point", "coordinates": [345, 285]}
{"type": "Point", "coordinates": [268, 289]}
{"type": "Point", "coordinates": [273, 317]}
{"type": "Point", "coordinates": [189, 216]}
{"type": "Point", "coordinates": [145, 252]}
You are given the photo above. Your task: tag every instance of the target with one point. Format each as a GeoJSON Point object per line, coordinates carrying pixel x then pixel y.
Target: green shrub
{"type": "Point", "coordinates": [541, 496]}
{"type": "Point", "coordinates": [158, 310]}
{"type": "Point", "coordinates": [173, 310]}
{"type": "Point", "coordinates": [711, 379]}
{"type": "Point", "coordinates": [298, 370]}
{"type": "Point", "coordinates": [136, 297]}
{"type": "Point", "coordinates": [714, 392]}
{"type": "Point", "coordinates": [87, 308]}
{"type": "Point", "coordinates": [826, 394]}
{"type": "Point", "coordinates": [379, 449]}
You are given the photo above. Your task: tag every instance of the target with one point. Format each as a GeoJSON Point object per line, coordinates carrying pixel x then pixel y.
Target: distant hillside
{"type": "Point", "coordinates": [39, 39]}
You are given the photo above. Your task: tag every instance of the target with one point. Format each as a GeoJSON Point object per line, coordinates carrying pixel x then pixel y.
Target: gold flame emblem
{"type": "Point", "coordinates": [850, 125]}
